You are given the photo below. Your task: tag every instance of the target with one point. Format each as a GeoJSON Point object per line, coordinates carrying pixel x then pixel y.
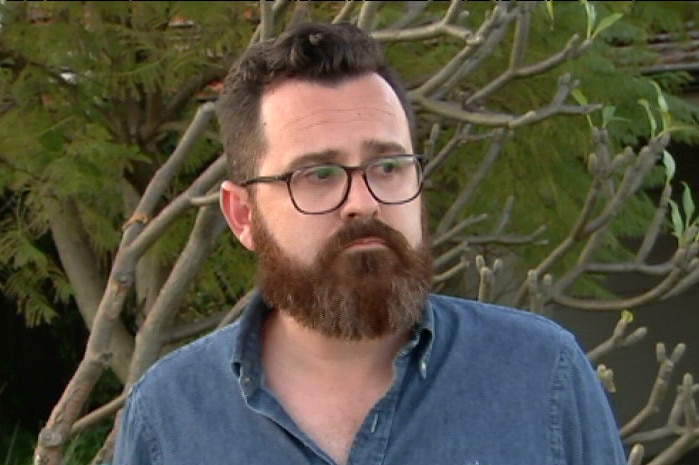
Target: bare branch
{"type": "Point", "coordinates": [585, 226]}
{"type": "Point", "coordinates": [654, 294]}
{"type": "Point", "coordinates": [618, 339]}
{"type": "Point", "coordinates": [539, 291]}
{"type": "Point", "coordinates": [676, 450]}
{"type": "Point", "coordinates": [346, 12]}
{"type": "Point", "coordinates": [487, 278]}
{"type": "Point", "coordinates": [193, 328]}
{"type": "Point", "coordinates": [207, 227]}
{"type": "Point", "coordinates": [278, 8]}
{"type": "Point", "coordinates": [461, 63]}
{"type": "Point", "coordinates": [413, 10]}
{"type": "Point", "coordinates": [606, 377]}
{"type": "Point", "coordinates": [507, 239]}
{"type": "Point", "coordinates": [556, 107]}
{"type": "Point", "coordinates": [465, 196]}
{"type": "Point", "coordinates": [506, 215]}
{"type": "Point", "coordinates": [687, 282]}
{"type": "Point", "coordinates": [160, 182]}
{"type": "Point", "coordinates": [448, 256]}
{"type": "Point", "coordinates": [479, 47]}
{"type": "Point", "coordinates": [98, 415]}
{"type": "Point", "coordinates": [633, 178]}
{"type": "Point", "coordinates": [266, 20]}
{"type": "Point", "coordinates": [684, 261]}
{"type": "Point", "coordinates": [659, 391]}
{"type": "Point", "coordinates": [208, 199]}
{"type": "Point", "coordinates": [429, 31]}
{"type": "Point", "coordinates": [570, 50]}
{"type": "Point", "coordinates": [460, 226]}
{"type": "Point", "coordinates": [460, 134]}
{"type": "Point", "coordinates": [445, 275]}
{"type": "Point", "coordinates": [184, 95]}
{"type": "Point", "coordinates": [636, 455]}
{"type": "Point", "coordinates": [179, 206]}
{"type": "Point", "coordinates": [237, 309]}
{"type": "Point", "coordinates": [367, 14]}
{"type": "Point", "coordinates": [659, 269]}
{"type": "Point", "coordinates": [521, 39]}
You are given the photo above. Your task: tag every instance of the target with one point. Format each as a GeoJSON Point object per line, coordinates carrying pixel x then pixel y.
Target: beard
{"type": "Point", "coordinates": [347, 294]}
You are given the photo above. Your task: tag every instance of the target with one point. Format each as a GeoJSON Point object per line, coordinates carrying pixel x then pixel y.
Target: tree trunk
{"type": "Point", "coordinates": [81, 266]}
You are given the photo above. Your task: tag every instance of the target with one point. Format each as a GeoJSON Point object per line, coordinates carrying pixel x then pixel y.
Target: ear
{"type": "Point", "coordinates": [236, 208]}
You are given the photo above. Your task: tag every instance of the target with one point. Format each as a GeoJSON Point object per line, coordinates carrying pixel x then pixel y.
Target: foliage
{"type": "Point", "coordinates": [96, 98]}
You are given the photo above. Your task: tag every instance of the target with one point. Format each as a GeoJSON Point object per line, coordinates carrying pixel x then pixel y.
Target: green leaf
{"type": "Point", "coordinates": [677, 224]}
{"type": "Point", "coordinates": [665, 115]}
{"type": "Point", "coordinates": [591, 17]}
{"type": "Point", "coordinates": [549, 9]}
{"type": "Point", "coordinates": [677, 127]}
{"type": "Point", "coordinates": [607, 115]}
{"type": "Point", "coordinates": [579, 96]}
{"type": "Point", "coordinates": [627, 316]}
{"type": "Point", "coordinates": [651, 119]}
{"type": "Point", "coordinates": [606, 23]}
{"type": "Point", "coordinates": [670, 167]}
{"type": "Point", "coordinates": [662, 103]}
{"type": "Point", "coordinates": [687, 204]}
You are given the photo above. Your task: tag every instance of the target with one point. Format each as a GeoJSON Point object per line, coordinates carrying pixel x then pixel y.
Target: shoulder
{"type": "Point", "coordinates": [206, 356]}
{"type": "Point", "coordinates": [473, 316]}
{"type": "Point", "coordinates": [487, 335]}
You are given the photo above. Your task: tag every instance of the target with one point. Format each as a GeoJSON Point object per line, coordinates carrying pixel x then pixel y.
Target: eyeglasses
{"type": "Point", "coordinates": [322, 188]}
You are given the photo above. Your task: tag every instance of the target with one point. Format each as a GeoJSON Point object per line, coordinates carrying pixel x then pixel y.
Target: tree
{"type": "Point", "coordinates": [93, 134]}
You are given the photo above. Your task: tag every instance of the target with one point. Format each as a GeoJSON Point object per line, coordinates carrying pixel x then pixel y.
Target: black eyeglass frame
{"type": "Point", "coordinates": [349, 170]}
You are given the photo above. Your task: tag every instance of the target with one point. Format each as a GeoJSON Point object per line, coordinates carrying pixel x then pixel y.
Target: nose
{"type": "Point", "coordinates": [359, 202]}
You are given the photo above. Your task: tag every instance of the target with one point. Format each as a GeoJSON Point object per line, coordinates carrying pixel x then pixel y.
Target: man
{"type": "Point", "coordinates": [343, 357]}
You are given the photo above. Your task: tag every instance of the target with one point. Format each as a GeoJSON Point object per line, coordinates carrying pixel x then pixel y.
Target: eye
{"type": "Point", "coordinates": [320, 173]}
{"type": "Point", "coordinates": [387, 166]}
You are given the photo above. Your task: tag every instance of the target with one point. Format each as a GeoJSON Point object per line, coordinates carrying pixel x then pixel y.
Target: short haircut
{"type": "Point", "coordinates": [315, 52]}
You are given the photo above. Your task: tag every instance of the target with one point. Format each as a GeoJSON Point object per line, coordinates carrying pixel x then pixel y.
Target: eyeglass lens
{"type": "Point", "coordinates": [322, 188]}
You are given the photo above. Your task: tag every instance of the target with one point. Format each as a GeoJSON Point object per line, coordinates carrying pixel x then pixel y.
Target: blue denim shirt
{"type": "Point", "coordinates": [476, 385]}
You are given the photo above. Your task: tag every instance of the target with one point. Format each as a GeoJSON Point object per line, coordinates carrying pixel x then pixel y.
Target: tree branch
{"type": "Point", "coordinates": [617, 340]}
{"type": "Point", "coordinates": [184, 96]}
{"type": "Point", "coordinates": [98, 415]}
{"type": "Point", "coordinates": [442, 27]}
{"type": "Point", "coordinates": [659, 391]}
{"type": "Point", "coordinates": [179, 206]}
{"type": "Point", "coordinates": [81, 266]}
{"type": "Point", "coordinates": [237, 309]}
{"type": "Point", "coordinates": [346, 12]}
{"type": "Point", "coordinates": [479, 46]}
{"type": "Point", "coordinates": [266, 20]}
{"type": "Point", "coordinates": [207, 227]}
{"type": "Point", "coordinates": [466, 194]}
{"type": "Point", "coordinates": [367, 15]}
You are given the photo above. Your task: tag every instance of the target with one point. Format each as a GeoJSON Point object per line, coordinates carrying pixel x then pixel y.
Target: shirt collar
{"type": "Point", "coordinates": [247, 349]}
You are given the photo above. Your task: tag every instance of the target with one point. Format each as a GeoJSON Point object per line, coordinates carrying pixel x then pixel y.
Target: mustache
{"type": "Point", "coordinates": [363, 228]}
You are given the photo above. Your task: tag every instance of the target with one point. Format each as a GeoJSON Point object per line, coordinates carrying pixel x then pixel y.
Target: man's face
{"type": "Point", "coordinates": [364, 269]}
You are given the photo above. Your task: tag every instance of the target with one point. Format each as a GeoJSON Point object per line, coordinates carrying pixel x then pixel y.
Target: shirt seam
{"type": "Point", "coordinates": [558, 386]}
{"type": "Point", "coordinates": [149, 436]}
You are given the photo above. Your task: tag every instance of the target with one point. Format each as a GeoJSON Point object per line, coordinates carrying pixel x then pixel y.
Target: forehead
{"type": "Point", "coordinates": [350, 120]}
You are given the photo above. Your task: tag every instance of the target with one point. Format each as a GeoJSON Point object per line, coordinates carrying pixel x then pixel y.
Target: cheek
{"type": "Point", "coordinates": [408, 221]}
{"type": "Point", "coordinates": [302, 237]}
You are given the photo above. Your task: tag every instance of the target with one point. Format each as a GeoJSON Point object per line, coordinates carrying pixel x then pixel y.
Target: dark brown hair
{"type": "Point", "coordinates": [317, 52]}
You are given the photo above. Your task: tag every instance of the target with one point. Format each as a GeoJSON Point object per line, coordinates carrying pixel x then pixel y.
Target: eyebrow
{"type": "Point", "coordinates": [374, 147]}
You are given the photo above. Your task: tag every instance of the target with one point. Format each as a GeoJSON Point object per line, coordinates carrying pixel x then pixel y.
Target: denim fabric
{"type": "Point", "coordinates": [476, 385]}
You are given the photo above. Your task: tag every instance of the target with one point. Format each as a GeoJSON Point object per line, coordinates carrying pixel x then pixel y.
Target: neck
{"type": "Point", "coordinates": [299, 348]}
